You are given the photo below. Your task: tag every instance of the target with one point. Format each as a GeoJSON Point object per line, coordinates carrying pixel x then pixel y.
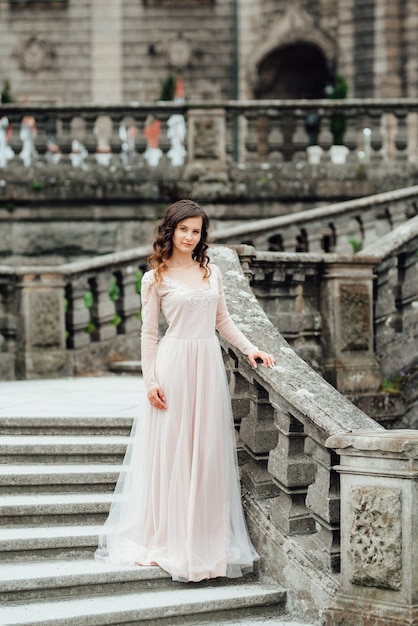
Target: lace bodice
{"type": "Point", "coordinates": [190, 312]}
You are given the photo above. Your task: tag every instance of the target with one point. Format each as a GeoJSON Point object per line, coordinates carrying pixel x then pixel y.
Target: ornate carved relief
{"type": "Point", "coordinates": [355, 317]}
{"type": "Point", "coordinates": [45, 321]}
{"type": "Point", "coordinates": [206, 144]}
{"type": "Point", "coordinates": [376, 537]}
{"type": "Point", "coordinates": [35, 54]}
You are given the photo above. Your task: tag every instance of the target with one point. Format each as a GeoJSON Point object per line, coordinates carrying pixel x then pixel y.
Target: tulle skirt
{"type": "Point", "coordinates": [178, 500]}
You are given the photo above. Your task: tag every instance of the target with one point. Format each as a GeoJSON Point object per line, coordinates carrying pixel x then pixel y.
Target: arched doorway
{"type": "Point", "coordinates": [289, 72]}
{"type": "Point", "coordinates": [294, 71]}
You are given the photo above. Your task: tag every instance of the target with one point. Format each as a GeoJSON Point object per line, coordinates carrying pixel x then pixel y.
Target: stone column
{"type": "Point", "coordinates": [40, 348]}
{"type": "Point", "coordinates": [379, 529]}
{"type": "Point", "coordinates": [347, 332]}
{"type": "Point", "coordinates": [106, 51]}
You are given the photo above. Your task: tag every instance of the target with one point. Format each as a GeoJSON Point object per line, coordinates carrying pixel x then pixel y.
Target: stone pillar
{"type": "Point", "coordinates": [379, 528]}
{"type": "Point", "coordinates": [347, 333]}
{"type": "Point", "coordinates": [206, 138]}
{"type": "Point", "coordinates": [40, 349]}
{"type": "Point", "coordinates": [106, 51]}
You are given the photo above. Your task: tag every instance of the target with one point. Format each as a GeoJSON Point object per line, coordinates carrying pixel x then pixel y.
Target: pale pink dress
{"type": "Point", "coordinates": [178, 500]}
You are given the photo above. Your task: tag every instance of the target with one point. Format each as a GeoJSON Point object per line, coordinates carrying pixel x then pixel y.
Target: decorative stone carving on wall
{"type": "Point", "coordinates": [206, 145]}
{"type": "Point", "coordinates": [355, 317]}
{"type": "Point", "coordinates": [376, 537]}
{"type": "Point", "coordinates": [45, 320]}
{"type": "Point", "coordinates": [179, 52]}
{"type": "Point", "coordinates": [35, 54]}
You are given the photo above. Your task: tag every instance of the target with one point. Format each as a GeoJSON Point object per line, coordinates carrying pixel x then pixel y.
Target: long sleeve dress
{"type": "Point", "coordinates": [178, 500]}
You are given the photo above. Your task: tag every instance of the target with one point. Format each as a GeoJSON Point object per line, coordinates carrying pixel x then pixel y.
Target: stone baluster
{"type": "Point", "coordinates": [259, 435]}
{"type": "Point", "coordinates": [379, 527]}
{"type": "Point", "coordinates": [128, 304]}
{"type": "Point", "coordinates": [325, 136]}
{"type": "Point", "coordinates": [323, 502]}
{"type": "Point", "coordinates": [375, 116]}
{"type": "Point", "coordinates": [78, 312]}
{"type": "Point", "coordinates": [103, 310]}
{"type": "Point", "coordinates": [300, 137]}
{"type": "Point", "coordinates": [401, 141]}
{"type": "Point", "coordinates": [41, 345]}
{"type": "Point", "coordinates": [347, 330]}
{"type": "Point", "coordinates": [275, 136]}
{"type": "Point", "coordinates": [251, 137]}
{"type": "Point", "coordinates": [292, 471]}
{"type": "Point", "coordinates": [8, 327]}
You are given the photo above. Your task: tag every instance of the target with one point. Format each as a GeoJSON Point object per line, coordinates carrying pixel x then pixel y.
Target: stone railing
{"type": "Point", "coordinates": [248, 132]}
{"type": "Point", "coordinates": [396, 297]}
{"type": "Point", "coordinates": [57, 321]}
{"type": "Point", "coordinates": [72, 318]}
{"type": "Point", "coordinates": [344, 227]}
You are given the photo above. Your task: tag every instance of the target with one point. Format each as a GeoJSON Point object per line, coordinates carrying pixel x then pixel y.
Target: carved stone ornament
{"type": "Point", "coordinates": [179, 52]}
{"type": "Point", "coordinates": [355, 317]}
{"type": "Point", "coordinates": [35, 54]}
{"type": "Point", "coordinates": [376, 537]}
{"type": "Point", "coordinates": [45, 320]}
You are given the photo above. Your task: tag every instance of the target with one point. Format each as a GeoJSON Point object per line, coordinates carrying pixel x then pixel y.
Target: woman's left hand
{"type": "Point", "coordinates": [267, 359]}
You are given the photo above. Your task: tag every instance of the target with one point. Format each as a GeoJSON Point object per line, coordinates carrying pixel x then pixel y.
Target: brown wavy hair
{"type": "Point", "coordinates": [163, 242]}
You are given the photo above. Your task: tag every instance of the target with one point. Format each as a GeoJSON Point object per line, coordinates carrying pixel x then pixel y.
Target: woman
{"type": "Point", "coordinates": [179, 502]}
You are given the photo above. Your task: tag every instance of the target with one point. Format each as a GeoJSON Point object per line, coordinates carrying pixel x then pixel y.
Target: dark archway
{"type": "Point", "coordinates": [296, 71]}
{"type": "Point", "coordinates": [293, 72]}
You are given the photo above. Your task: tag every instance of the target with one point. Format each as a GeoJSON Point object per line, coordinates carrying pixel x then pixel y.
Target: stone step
{"type": "Point", "coordinates": [65, 425]}
{"type": "Point", "coordinates": [47, 542]}
{"type": "Point", "coordinates": [62, 449]}
{"type": "Point", "coordinates": [126, 367]}
{"type": "Point", "coordinates": [21, 582]}
{"type": "Point", "coordinates": [58, 479]}
{"type": "Point", "coordinates": [58, 509]}
{"type": "Point", "coordinates": [189, 604]}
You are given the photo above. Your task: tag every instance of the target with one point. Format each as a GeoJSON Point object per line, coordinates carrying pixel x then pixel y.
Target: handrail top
{"type": "Point", "coordinates": [217, 104]}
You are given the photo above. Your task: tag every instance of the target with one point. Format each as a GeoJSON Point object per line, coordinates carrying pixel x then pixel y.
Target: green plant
{"type": "Point", "coordinates": [167, 88]}
{"type": "Point", "coordinates": [338, 124]}
{"type": "Point", "coordinates": [38, 185]}
{"type": "Point", "coordinates": [116, 320]}
{"type": "Point", "coordinates": [355, 244]}
{"type": "Point", "coordinates": [114, 290]}
{"type": "Point", "coordinates": [88, 299]}
{"type": "Point", "coordinates": [392, 385]}
{"type": "Point", "coordinates": [138, 282]}
{"type": "Point", "coordinates": [90, 328]}
{"type": "Point", "coordinates": [6, 96]}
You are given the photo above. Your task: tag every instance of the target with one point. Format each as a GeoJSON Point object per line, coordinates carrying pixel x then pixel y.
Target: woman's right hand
{"type": "Point", "coordinates": [156, 398]}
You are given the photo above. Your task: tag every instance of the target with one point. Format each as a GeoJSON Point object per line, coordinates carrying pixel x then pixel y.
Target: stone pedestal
{"type": "Point", "coordinates": [347, 334]}
{"type": "Point", "coordinates": [379, 529]}
{"type": "Point", "coordinates": [40, 347]}
{"type": "Point", "coordinates": [206, 138]}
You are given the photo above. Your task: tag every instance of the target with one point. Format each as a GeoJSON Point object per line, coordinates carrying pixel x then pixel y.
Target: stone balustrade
{"type": "Point", "coordinates": [396, 297]}
{"type": "Point", "coordinates": [248, 132]}
{"type": "Point", "coordinates": [62, 320]}
{"type": "Point", "coordinates": [343, 227]}
{"type": "Point", "coordinates": [72, 318]}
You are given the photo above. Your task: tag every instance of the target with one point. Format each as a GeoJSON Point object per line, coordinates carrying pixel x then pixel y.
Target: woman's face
{"type": "Point", "coordinates": [187, 234]}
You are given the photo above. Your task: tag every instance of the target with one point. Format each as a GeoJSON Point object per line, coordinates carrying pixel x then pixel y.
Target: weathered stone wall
{"type": "Point", "coordinates": [112, 52]}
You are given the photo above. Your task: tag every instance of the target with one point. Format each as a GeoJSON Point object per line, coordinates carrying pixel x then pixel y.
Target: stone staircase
{"type": "Point", "coordinates": [57, 476]}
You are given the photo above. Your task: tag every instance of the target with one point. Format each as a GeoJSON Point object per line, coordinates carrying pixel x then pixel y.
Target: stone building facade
{"type": "Point", "coordinates": [121, 51]}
